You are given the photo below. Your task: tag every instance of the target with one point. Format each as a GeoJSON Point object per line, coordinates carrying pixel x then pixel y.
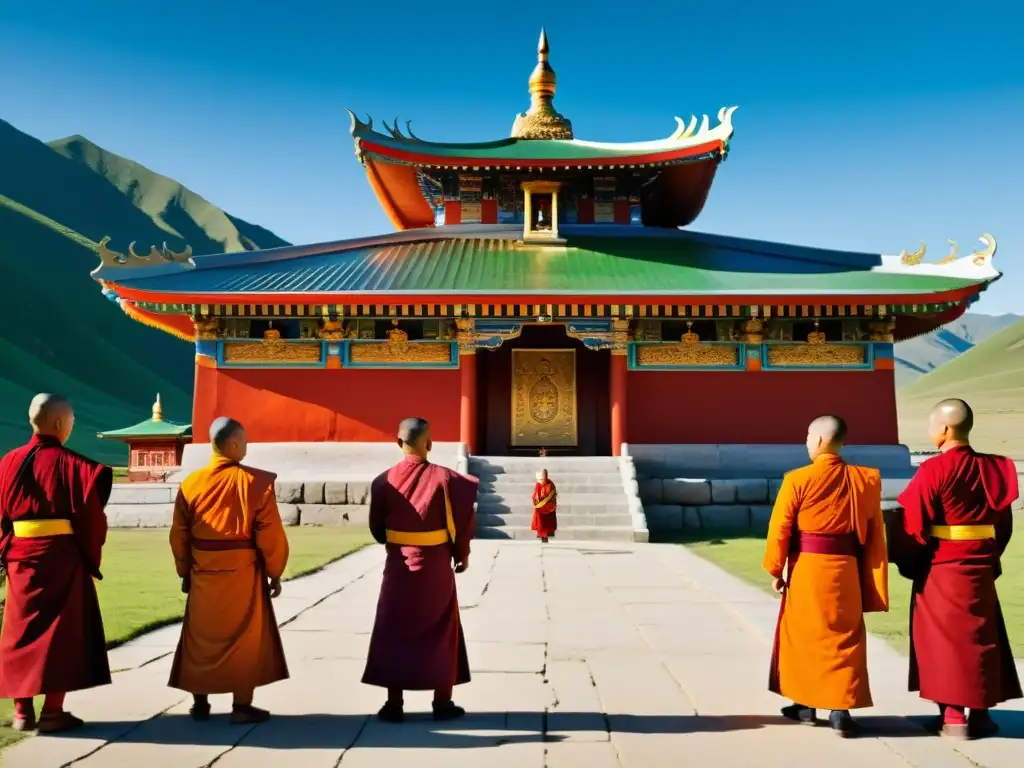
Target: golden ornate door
{"type": "Point", "coordinates": [544, 398]}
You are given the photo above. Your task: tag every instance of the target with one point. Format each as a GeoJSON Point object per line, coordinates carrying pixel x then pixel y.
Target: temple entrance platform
{"type": "Point", "coordinates": [583, 655]}
{"type": "Point", "coordinates": [647, 489]}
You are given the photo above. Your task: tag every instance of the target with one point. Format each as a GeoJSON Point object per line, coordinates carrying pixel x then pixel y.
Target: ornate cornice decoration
{"type": "Point", "coordinates": [980, 258]}
{"type": "Point", "coordinates": [163, 255]}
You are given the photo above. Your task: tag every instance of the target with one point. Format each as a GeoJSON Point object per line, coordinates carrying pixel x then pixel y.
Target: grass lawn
{"type": "Point", "coordinates": [141, 591]}
{"type": "Point", "coordinates": [742, 557]}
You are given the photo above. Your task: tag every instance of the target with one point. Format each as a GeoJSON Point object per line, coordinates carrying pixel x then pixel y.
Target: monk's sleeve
{"type": "Point", "coordinates": [874, 563]}
{"type": "Point", "coordinates": [908, 541]}
{"type": "Point", "coordinates": [1004, 529]}
{"type": "Point", "coordinates": [462, 492]}
{"type": "Point", "coordinates": [271, 540]}
{"type": "Point", "coordinates": [780, 528]}
{"type": "Point", "coordinates": [378, 512]}
{"type": "Point", "coordinates": [181, 535]}
{"type": "Point", "coordinates": [90, 519]}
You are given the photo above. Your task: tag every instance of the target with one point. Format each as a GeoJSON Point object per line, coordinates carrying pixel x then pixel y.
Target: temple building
{"type": "Point", "coordinates": [155, 446]}
{"type": "Point", "coordinates": [545, 292]}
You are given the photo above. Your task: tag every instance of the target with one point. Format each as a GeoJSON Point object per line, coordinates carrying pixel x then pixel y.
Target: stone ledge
{"type": "Point", "coordinates": [160, 515]}
{"type": "Point", "coordinates": [695, 491]}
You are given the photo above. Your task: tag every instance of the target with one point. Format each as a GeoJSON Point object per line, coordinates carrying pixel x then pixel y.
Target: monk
{"type": "Point", "coordinates": [827, 527]}
{"type": "Point", "coordinates": [230, 550]}
{"type": "Point", "coordinates": [956, 525]}
{"type": "Point", "coordinates": [545, 504]}
{"type": "Point", "coordinates": [52, 531]}
{"type": "Point", "coordinates": [424, 516]}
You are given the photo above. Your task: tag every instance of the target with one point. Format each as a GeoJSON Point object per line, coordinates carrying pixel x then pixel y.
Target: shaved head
{"type": "Point", "coordinates": [950, 423]}
{"type": "Point", "coordinates": [227, 437]}
{"type": "Point", "coordinates": [826, 434]}
{"type": "Point", "coordinates": [414, 436]}
{"type": "Point", "coordinates": [51, 415]}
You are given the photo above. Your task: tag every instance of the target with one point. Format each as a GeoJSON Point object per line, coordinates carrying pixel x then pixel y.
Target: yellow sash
{"type": "Point", "coordinates": [427, 538]}
{"type": "Point", "coordinates": [546, 500]}
{"type": "Point", "coordinates": [963, 532]}
{"type": "Point", "coordinates": [37, 529]}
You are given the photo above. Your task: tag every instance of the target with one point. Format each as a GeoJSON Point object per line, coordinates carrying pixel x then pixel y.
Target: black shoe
{"type": "Point", "coordinates": [447, 710]}
{"type": "Point", "coordinates": [392, 712]}
{"type": "Point", "coordinates": [798, 713]}
{"type": "Point", "coordinates": [200, 709]}
{"type": "Point", "coordinates": [543, 539]}
{"type": "Point", "coordinates": [844, 725]}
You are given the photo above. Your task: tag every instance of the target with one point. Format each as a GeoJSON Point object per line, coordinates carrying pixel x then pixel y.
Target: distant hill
{"type": "Point", "coordinates": [919, 356]}
{"type": "Point", "coordinates": [59, 332]}
{"type": "Point", "coordinates": [990, 377]}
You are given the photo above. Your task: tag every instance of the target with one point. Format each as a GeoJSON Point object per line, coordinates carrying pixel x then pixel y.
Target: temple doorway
{"type": "Point", "coordinates": [546, 390]}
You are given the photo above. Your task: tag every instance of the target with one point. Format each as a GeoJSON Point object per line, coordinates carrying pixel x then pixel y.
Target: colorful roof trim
{"type": "Point", "coordinates": [687, 143]}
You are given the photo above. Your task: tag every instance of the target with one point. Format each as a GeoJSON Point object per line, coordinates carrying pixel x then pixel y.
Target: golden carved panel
{"type": "Point", "coordinates": [683, 354]}
{"type": "Point", "coordinates": [544, 409]}
{"type": "Point", "coordinates": [816, 355]}
{"type": "Point", "coordinates": [397, 350]}
{"type": "Point", "coordinates": [272, 350]}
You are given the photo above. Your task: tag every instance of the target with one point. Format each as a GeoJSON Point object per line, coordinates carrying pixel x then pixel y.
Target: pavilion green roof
{"type": "Point", "coordinates": [149, 428]}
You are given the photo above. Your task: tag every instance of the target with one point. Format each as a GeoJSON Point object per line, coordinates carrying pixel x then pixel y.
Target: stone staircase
{"type": "Point", "coordinates": [592, 500]}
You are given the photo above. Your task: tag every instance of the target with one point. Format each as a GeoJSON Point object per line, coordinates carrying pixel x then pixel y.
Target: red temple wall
{"type": "Point", "coordinates": [757, 407]}
{"type": "Point", "coordinates": [312, 405]}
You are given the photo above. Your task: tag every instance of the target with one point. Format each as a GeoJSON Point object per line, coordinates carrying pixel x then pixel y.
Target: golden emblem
{"type": "Point", "coordinates": [544, 410]}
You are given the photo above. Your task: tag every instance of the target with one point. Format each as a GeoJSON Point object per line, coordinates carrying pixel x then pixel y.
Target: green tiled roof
{"type": "Point", "coordinates": [673, 263]}
{"type": "Point", "coordinates": [150, 428]}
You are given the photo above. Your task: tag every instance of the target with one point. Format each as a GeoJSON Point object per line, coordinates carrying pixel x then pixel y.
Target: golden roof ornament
{"type": "Point", "coordinates": [158, 410]}
{"type": "Point", "coordinates": [541, 121]}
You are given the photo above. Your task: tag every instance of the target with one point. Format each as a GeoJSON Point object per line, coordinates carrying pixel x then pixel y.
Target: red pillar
{"type": "Point", "coordinates": [618, 401]}
{"type": "Point", "coordinates": [467, 405]}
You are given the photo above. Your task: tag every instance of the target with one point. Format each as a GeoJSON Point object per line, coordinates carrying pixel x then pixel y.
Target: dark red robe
{"type": "Point", "coordinates": [960, 653]}
{"type": "Point", "coordinates": [52, 639]}
{"type": "Point", "coordinates": [417, 642]}
{"type": "Point", "coordinates": [545, 506]}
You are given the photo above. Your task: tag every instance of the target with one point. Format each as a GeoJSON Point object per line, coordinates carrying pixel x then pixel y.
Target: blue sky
{"type": "Point", "coordinates": [867, 126]}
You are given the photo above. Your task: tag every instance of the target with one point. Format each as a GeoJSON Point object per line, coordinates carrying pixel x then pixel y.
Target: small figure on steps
{"type": "Point", "coordinates": [545, 503]}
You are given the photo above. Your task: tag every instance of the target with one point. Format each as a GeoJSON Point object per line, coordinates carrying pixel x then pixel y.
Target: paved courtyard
{"type": "Point", "coordinates": [582, 654]}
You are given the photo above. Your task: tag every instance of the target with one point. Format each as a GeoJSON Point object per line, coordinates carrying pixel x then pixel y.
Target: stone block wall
{"type": "Point", "coordinates": [151, 505]}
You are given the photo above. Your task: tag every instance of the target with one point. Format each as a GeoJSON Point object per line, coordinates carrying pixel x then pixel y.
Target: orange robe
{"type": "Point", "coordinates": [820, 655]}
{"type": "Point", "coordinates": [228, 539]}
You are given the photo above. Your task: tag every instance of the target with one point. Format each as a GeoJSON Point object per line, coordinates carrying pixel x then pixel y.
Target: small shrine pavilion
{"type": "Point", "coordinates": [155, 446]}
{"type": "Point", "coordinates": [545, 291]}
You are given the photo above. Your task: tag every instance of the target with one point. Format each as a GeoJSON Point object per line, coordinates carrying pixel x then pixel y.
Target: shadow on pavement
{"type": "Point", "coordinates": [321, 731]}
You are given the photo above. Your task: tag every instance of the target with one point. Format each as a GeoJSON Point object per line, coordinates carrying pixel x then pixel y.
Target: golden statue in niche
{"type": "Point", "coordinates": [689, 338]}
{"type": "Point", "coordinates": [817, 336]}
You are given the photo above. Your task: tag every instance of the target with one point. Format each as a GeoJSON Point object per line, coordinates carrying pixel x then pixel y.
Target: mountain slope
{"type": "Point", "coordinates": [177, 210]}
{"type": "Point", "coordinates": [991, 378]}
{"type": "Point", "coordinates": [919, 356]}
{"type": "Point", "coordinates": [59, 332]}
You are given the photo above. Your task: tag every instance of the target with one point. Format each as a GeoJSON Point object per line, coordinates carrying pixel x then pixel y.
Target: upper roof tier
{"type": "Point", "coordinates": [542, 143]}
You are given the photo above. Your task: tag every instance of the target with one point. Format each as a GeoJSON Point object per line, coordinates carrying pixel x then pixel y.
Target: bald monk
{"type": "Point", "coordinates": [956, 525]}
{"type": "Point", "coordinates": [827, 527]}
{"type": "Point", "coordinates": [52, 531]}
{"type": "Point", "coordinates": [230, 550]}
{"type": "Point", "coordinates": [545, 506]}
{"type": "Point", "coordinates": [424, 516]}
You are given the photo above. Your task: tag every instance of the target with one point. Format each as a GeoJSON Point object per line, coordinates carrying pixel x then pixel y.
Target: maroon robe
{"type": "Point", "coordinates": [960, 654]}
{"type": "Point", "coordinates": [417, 642]}
{"type": "Point", "coordinates": [52, 639]}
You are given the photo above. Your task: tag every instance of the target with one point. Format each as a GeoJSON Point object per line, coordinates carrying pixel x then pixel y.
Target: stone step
{"type": "Point", "coordinates": [588, 533]}
{"type": "Point", "coordinates": [552, 464]}
{"type": "Point", "coordinates": [504, 508]}
{"type": "Point", "coordinates": [512, 488]}
{"type": "Point", "coordinates": [617, 496]}
{"type": "Point", "coordinates": [560, 478]}
{"type": "Point", "coordinates": [518, 519]}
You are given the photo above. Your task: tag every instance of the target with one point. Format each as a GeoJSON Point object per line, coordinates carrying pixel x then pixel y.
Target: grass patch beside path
{"type": "Point", "coordinates": [742, 558]}
{"type": "Point", "coordinates": [140, 590]}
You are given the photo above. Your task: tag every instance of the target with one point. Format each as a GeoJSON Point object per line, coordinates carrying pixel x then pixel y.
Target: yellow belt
{"type": "Point", "coordinates": [35, 529]}
{"type": "Point", "coordinates": [963, 532]}
{"type": "Point", "coordinates": [427, 538]}
{"type": "Point", "coordinates": [544, 502]}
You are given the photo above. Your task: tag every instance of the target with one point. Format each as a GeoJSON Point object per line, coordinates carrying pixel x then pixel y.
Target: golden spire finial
{"type": "Point", "coordinates": [542, 121]}
{"type": "Point", "coordinates": [158, 410]}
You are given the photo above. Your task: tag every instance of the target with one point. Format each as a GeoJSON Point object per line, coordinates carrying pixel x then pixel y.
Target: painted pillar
{"type": "Point", "coordinates": [617, 383]}
{"type": "Point", "coordinates": [467, 383]}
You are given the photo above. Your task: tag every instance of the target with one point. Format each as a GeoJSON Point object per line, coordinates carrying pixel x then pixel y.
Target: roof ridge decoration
{"type": "Point", "coordinates": [982, 258]}
{"type": "Point", "coordinates": [542, 120]}
{"type": "Point", "coordinates": [110, 259]}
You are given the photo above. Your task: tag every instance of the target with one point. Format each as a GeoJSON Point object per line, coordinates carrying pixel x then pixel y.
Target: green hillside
{"type": "Point", "coordinates": [991, 378]}
{"type": "Point", "coordinates": [923, 354]}
{"type": "Point", "coordinates": [59, 332]}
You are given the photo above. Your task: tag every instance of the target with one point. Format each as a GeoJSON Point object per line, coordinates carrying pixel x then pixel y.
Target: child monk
{"type": "Point", "coordinates": [545, 505]}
